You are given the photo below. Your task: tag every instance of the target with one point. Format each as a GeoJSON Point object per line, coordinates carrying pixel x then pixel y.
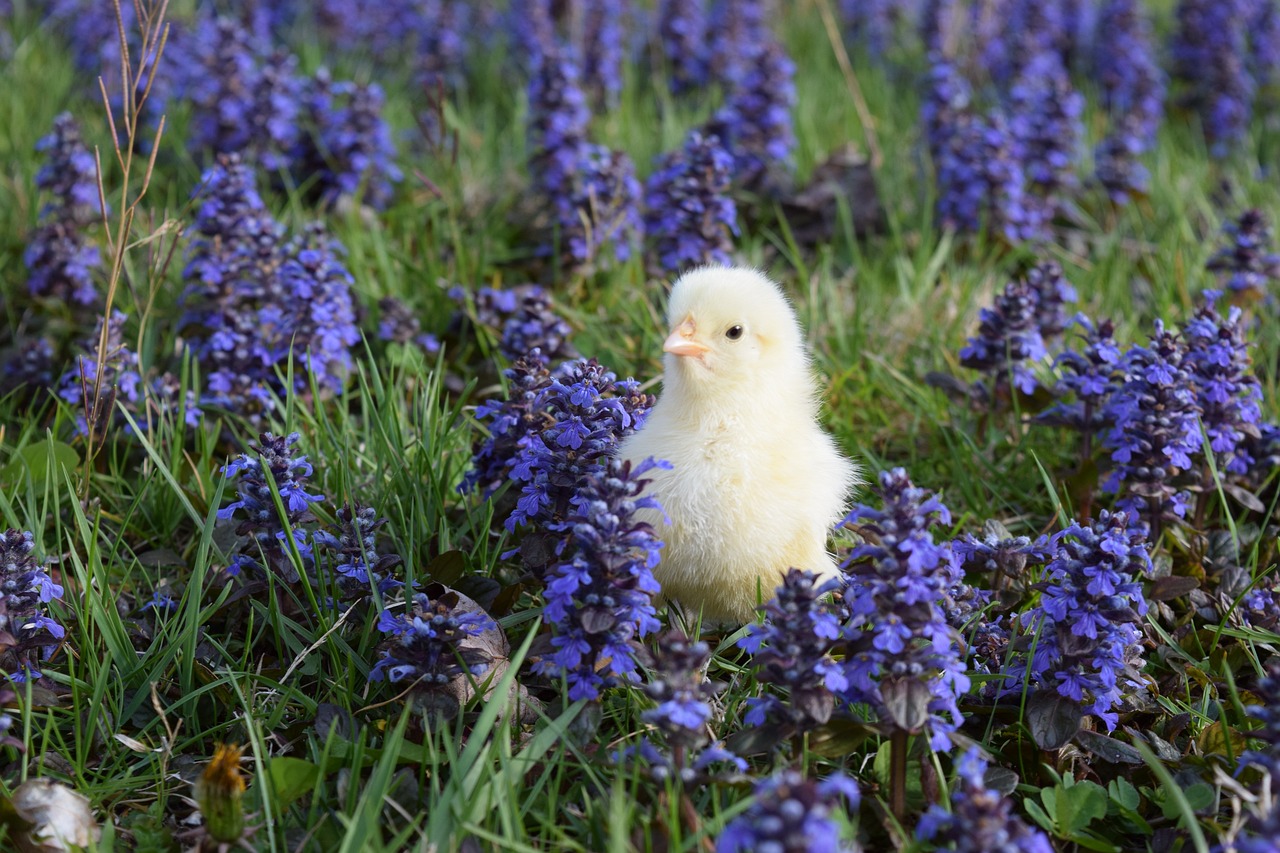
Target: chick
{"type": "Point", "coordinates": [755, 484]}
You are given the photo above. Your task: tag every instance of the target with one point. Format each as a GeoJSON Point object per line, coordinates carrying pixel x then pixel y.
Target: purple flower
{"type": "Point", "coordinates": [61, 264]}
{"type": "Point", "coordinates": [557, 129]}
{"type": "Point", "coordinates": [254, 300]}
{"type": "Point", "coordinates": [1217, 358]}
{"type": "Point", "coordinates": [689, 215]}
{"type": "Point", "coordinates": [271, 463]}
{"type": "Point", "coordinates": [791, 814]}
{"type": "Point", "coordinates": [1116, 162]}
{"type": "Point", "coordinates": [357, 563]}
{"type": "Point", "coordinates": [1044, 113]}
{"type": "Point", "coordinates": [1155, 429]}
{"type": "Point", "coordinates": [874, 23]}
{"type": "Point", "coordinates": [602, 48]}
{"type": "Point", "coordinates": [349, 152]}
{"type": "Point", "coordinates": [25, 591]}
{"type": "Point", "coordinates": [980, 181]}
{"type": "Point", "coordinates": [1087, 625]}
{"type": "Point", "coordinates": [1264, 41]}
{"type": "Point", "coordinates": [525, 320]}
{"type": "Point", "coordinates": [599, 599]}
{"type": "Point", "coordinates": [735, 32]}
{"type": "Point", "coordinates": [1210, 61]}
{"type": "Point", "coordinates": [1246, 263]}
{"type": "Point", "coordinates": [578, 414]}
{"type": "Point", "coordinates": [681, 692]}
{"type": "Point", "coordinates": [222, 92]}
{"type": "Point", "coordinates": [980, 819]}
{"type": "Point", "coordinates": [509, 422]}
{"type": "Point", "coordinates": [682, 31]}
{"type": "Point", "coordinates": [1089, 376]}
{"type": "Point", "coordinates": [1128, 74]}
{"type": "Point", "coordinates": [793, 650]}
{"type": "Point", "coordinates": [755, 122]}
{"type": "Point", "coordinates": [602, 210]}
{"type": "Point", "coordinates": [897, 596]}
{"type": "Point", "coordinates": [26, 364]}
{"type": "Point", "coordinates": [426, 647]}
{"type": "Point", "coordinates": [95, 386]}
{"type": "Point", "coordinates": [1267, 714]}
{"type": "Point", "coordinates": [1009, 337]}
{"type": "Point", "coordinates": [998, 555]}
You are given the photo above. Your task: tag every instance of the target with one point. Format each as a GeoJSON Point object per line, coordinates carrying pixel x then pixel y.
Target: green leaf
{"type": "Point", "coordinates": [1037, 814]}
{"type": "Point", "coordinates": [1200, 796]}
{"type": "Point", "coordinates": [36, 458]}
{"type": "Point", "coordinates": [1080, 805]}
{"type": "Point", "coordinates": [291, 778]}
{"type": "Point", "coordinates": [1123, 793]}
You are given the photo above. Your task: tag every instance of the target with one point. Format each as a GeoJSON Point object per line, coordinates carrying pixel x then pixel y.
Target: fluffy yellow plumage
{"type": "Point", "coordinates": [755, 484]}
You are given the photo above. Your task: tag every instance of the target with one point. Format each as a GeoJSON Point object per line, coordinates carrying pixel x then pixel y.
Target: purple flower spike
{"type": "Point", "coordinates": [1087, 625]}
{"type": "Point", "coordinates": [792, 814]}
{"type": "Point", "coordinates": [25, 591]}
{"type": "Point", "coordinates": [898, 596]}
{"type": "Point", "coordinates": [269, 548]}
{"type": "Point", "coordinates": [599, 600]}
{"type": "Point", "coordinates": [60, 263]}
{"type": "Point", "coordinates": [980, 819]}
{"type": "Point", "coordinates": [1229, 394]}
{"type": "Point", "coordinates": [690, 216]}
{"type": "Point", "coordinates": [793, 650]}
{"type": "Point", "coordinates": [1247, 264]}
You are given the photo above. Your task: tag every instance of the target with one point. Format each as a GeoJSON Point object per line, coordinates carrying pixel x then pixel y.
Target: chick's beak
{"type": "Point", "coordinates": [682, 341]}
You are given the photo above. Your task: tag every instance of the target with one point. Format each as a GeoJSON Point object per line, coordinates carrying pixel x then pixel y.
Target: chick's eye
{"type": "Point", "coordinates": [733, 333]}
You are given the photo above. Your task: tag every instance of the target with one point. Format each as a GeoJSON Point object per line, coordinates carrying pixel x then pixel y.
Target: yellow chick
{"type": "Point", "coordinates": [755, 484]}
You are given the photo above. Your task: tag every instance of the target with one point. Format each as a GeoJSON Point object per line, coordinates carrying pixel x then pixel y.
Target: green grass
{"type": "Point", "coordinates": [133, 718]}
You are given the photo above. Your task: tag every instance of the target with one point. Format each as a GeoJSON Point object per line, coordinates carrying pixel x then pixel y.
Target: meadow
{"type": "Point", "coordinates": [315, 543]}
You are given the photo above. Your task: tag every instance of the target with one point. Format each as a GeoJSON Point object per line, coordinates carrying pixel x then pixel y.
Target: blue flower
{"type": "Point", "coordinates": [791, 814]}
{"type": "Point", "coordinates": [577, 415]}
{"type": "Point", "coordinates": [1210, 61]}
{"type": "Point", "coordinates": [425, 647]}
{"type": "Point", "coordinates": [25, 591]}
{"type": "Point", "coordinates": [1155, 429]}
{"type": "Point", "coordinates": [1087, 624]}
{"type": "Point", "coordinates": [682, 692]}
{"type": "Point", "coordinates": [898, 595]}
{"type": "Point", "coordinates": [682, 31]}
{"type": "Point", "coordinates": [61, 265]}
{"type": "Point", "coordinates": [1044, 113]}
{"type": "Point", "coordinates": [599, 598]}
{"type": "Point", "coordinates": [755, 122]}
{"type": "Point", "coordinates": [357, 563]}
{"type": "Point", "coordinates": [980, 180]}
{"type": "Point", "coordinates": [736, 30]}
{"type": "Point", "coordinates": [1008, 338]}
{"type": "Point", "coordinates": [1133, 89]}
{"type": "Point", "coordinates": [602, 47]}
{"type": "Point", "coordinates": [1125, 65]}
{"type": "Point", "coordinates": [1217, 358]}
{"type": "Point", "coordinates": [793, 650]}
{"type": "Point", "coordinates": [253, 299]}
{"type": "Point", "coordinates": [981, 819]}
{"type": "Point", "coordinates": [689, 215]}
{"type": "Point", "coordinates": [1246, 263]}
{"type": "Point", "coordinates": [272, 462]}
{"type": "Point", "coordinates": [348, 152]}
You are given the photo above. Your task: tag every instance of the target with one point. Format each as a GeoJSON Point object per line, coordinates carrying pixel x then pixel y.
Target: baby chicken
{"type": "Point", "coordinates": [755, 484]}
